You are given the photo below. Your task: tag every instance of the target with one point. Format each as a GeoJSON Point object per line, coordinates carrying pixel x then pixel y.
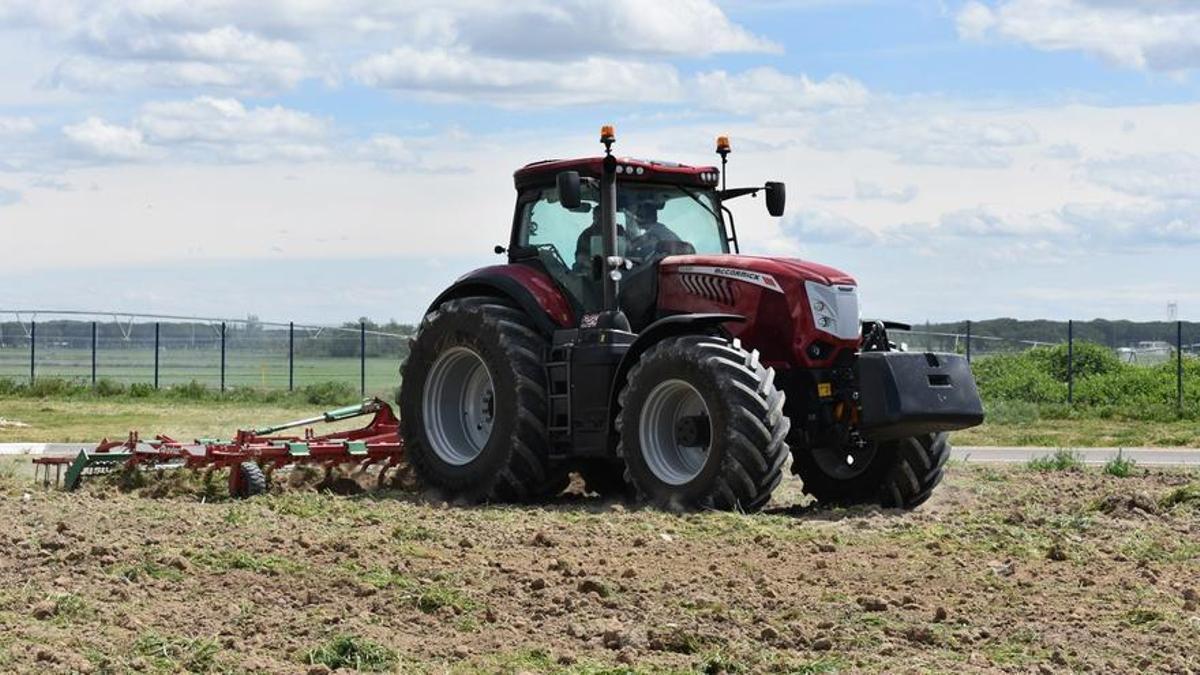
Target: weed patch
{"type": "Point", "coordinates": [352, 652]}
{"type": "Point", "coordinates": [1062, 460]}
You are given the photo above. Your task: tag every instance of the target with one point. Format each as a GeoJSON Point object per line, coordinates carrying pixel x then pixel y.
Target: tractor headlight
{"type": "Point", "coordinates": [835, 309]}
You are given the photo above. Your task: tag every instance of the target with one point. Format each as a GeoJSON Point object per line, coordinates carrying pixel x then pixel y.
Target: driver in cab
{"type": "Point", "coordinates": [650, 236]}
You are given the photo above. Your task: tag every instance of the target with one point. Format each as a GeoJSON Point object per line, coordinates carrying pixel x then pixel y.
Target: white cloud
{"type": "Point", "coordinates": [101, 140]}
{"type": "Point", "coordinates": [86, 74]}
{"type": "Point", "coordinates": [1161, 35]}
{"type": "Point", "coordinates": [1174, 175]}
{"type": "Point", "coordinates": [16, 126]}
{"type": "Point", "coordinates": [988, 222]}
{"type": "Point", "coordinates": [9, 197]}
{"type": "Point", "coordinates": [820, 226]}
{"type": "Point", "coordinates": [767, 91]}
{"type": "Point", "coordinates": [223, 44]}
{"type": "Point", "coordinates": [615, 27]}
{"type": "Point", "coordinates": [230, 130]}
{"type": "Point", "coordinates": [389, 152]}
{"type": "Point", "coordinates": [915, 136]}
{"type": "Point", "coordinates": [457, 74]}
{"type": "Point", "coordinates": [867, 190]}
{"type": "Point", "coordinates": [1133, 227]}
{"type": "Point", "coordinates": [273, 45]}
{"type": "Point", "coordinates": [206, 129]}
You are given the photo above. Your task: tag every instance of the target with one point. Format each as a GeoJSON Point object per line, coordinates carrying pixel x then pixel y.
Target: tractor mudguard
{"type": "Point", "coordinates": [907, 394]}
{"type": "Point", "coordinates": [532, 290]}
{"type": "Point", "coordinates": [679, 324]}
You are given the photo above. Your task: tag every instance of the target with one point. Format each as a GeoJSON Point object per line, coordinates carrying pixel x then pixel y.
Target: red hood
{"type": "Point", "coordinates": [781, 268]}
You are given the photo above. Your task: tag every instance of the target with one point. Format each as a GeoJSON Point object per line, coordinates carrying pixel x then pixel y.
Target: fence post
{"type": "Point", "coordinates": [362, 358]}
{"type": "Point", "coordinates": [291, 355]}
{"type": "Point", "coordinates": [968, 341]}
{"type": "Point", "coordinates": [93, 355]}
{"type": "Point", "coordinates": [1070, 362]}
{"type": "Point", "coordinates": [156, 346]}
{"type": "Point", "coordinates": [222, 356]}
{"type": "Point", "coordinates": [32, 349]}
{"type": "Point", "coordinates": [1179, 365]}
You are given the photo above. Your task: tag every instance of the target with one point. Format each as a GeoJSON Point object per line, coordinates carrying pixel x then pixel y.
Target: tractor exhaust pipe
{"type": "Point", "coordinates": [611, 269]}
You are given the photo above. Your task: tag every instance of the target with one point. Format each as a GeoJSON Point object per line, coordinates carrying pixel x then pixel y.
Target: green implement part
{"type": "Point", "coordinates": [85, 460]}
{"type": "Point", "coordinates": [336, 415]}
{"type": "Point", "coordinates": [298, 449]}
{"type": "Point", "coordinates": [356, 448]}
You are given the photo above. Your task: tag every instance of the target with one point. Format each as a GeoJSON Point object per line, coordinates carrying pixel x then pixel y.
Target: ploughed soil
{"type": "Point", "coordinates": [1004, 570]}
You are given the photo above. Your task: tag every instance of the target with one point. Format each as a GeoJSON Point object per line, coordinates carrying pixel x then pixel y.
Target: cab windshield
{"type": "Point", "coordinates": [652, 221]}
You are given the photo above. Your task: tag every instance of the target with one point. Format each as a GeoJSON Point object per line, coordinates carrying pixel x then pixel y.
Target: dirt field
{"type": "Point", "coordinates": [1004, 570]}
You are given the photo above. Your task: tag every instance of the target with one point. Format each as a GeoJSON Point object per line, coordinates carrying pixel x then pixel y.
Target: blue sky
{"type": "Point", "coordinates": [1029, 158]}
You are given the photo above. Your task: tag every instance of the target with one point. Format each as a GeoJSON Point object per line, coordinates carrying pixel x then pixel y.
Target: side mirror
{"type": "Point", "coordinates": [776, 198]}
{"type": "Point", "coordinates": [568, 189]}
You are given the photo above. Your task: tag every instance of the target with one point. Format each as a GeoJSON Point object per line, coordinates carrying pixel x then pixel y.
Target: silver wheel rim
{"type": "Point", "coordinates": [459, 406]}
{"type": "Point", "coordinates": [670, 460]}
{"type": "Point", "coordinates": [844, 463]}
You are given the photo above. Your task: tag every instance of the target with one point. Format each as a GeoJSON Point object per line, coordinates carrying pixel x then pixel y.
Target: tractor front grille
{"type": "Point", "coordinates": [709, 287]}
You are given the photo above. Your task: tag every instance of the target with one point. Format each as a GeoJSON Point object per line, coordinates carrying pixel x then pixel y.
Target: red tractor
{"type": "Point", "coordinates": [625, 341]}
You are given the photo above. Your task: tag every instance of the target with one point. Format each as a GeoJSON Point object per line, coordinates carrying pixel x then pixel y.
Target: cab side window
{"type": "Point", "coordinates": [566, 241]}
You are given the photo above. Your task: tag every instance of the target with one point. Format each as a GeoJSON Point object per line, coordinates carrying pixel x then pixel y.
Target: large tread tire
{"type": "Point", "coordinates": [253, 481]}
{"type": "Point", "coordinates": [902, 474]}
{"type": "Point", "coordinates": [748, 444]}
{"type": "Point", "coordinates": [513, 465]}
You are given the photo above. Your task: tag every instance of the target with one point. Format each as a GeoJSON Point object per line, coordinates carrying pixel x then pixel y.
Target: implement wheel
{"type": "Point", "coordinates": [252, 481]}
{"type": "Point", "coordinates": [473, 401]}
{"type": "Point", "coordinates": [701, 426]}
{"type": "Point", "coordinates": [894, 474]}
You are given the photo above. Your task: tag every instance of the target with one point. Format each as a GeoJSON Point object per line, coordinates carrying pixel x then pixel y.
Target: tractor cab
{"type": "Point", "coordinates": [599, 226]}
{"type": "Point", "coordinates": [661, 210]}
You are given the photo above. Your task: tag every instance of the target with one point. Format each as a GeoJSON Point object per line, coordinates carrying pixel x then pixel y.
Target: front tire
{"type": "Point", "coordinates": [701, 426]}
{"type": "Point", "coordinates": [894, 474]}
{"type": "Point", "coordinates": [473, 403]}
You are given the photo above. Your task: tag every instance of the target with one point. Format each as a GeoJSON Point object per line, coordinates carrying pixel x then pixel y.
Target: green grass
{"type": "Point", "coordinates": [173, 653]}
{"type": "Point", "coordinates": [225, 560]}
{"type": "Point", "coordinates": [351, 652]}
{"type": "Point", "coordinates": [1120, 466]}
{"type": "Point", "coordinates": [243, 367]}
{"type": "Point", "coordinates": [1062, 460]}
{"type": "Point", "coordinates": [1186, 495]}
{"type": "Point", "coordinates": [146, 569]}
{"type": "Point", "coordinates": [327, 392]}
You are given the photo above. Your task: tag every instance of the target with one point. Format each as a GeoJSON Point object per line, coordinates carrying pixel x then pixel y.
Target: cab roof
{"type": "Point", "coordinates": [628, 169]}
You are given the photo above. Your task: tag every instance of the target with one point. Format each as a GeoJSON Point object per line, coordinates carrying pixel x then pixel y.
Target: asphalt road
{"type": "Point", "coordinates": [1144, 456]}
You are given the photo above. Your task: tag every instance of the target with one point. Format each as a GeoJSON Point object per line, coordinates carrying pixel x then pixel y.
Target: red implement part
{"type": "Point", "coordinates": [376, 443]}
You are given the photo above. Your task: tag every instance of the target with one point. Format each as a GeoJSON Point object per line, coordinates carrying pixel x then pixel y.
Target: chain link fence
{"type": "Point", "coordinates": [166, 351]}
{"type": "Point", "coordinates": [1141, 363]}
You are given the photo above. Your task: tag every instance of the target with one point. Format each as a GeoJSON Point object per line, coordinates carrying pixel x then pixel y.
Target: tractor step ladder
{"type": "Point", "coordinates": [558, 378]}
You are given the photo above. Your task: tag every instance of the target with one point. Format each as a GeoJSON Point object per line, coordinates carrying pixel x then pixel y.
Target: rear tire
{"type": "Point", "coordinates": [901, 474]}
{"type": "Point", "coordinates": [701, 426]}
{"type": "Point", "coordinates": [473, 403]}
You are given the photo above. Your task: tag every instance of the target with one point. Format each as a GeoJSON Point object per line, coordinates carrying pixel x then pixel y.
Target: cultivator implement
{"type": "Point", "coordinates": [251, 455]}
